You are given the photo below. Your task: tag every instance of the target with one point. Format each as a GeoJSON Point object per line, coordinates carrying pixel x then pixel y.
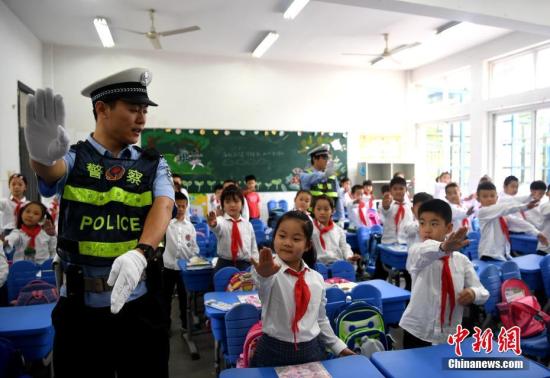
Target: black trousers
{"type": "Point", "coordinates": [410, 341]}
{"type": "Point", "coordinates": [222, 263]}
{"type": "Point", "coordinates": [92, 342]}
{"type": "Point", "coordinates": [172, 278]}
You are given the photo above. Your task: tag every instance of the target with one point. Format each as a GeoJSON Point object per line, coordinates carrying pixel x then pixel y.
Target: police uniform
{"type": "Point", "coordinates": [105, 200]}
{"type": "Point", "coordinates": [318, 183]}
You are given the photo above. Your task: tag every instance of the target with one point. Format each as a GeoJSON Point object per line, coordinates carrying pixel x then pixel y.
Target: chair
{"type": "Point", "coordinates": [202, 229]}
{"type": "Point", "coordinates": [475, 224]}
{"type": "Point", "coordinates": [271, 204]}
{"type": "Point", "coordinates": [322, 269]}
{"type": "Point", "coordinates": [283, 205]}
{"type": "Point", "coordinates": [363, 243]}
{"type": "Point", "coordinates": [471, 249]}
{"type": "Point", "coordinates": [336, 299]}
{"type": "Point", "coordinates": [367, 293]}
{"type": "Point", "coordinates": [202, 242]}
{"type": "Point", "coordinates": [238, 321]}
{"type": "Point", "coordinates": [259, 230]}
{"type": "Point", "coordinates": [21, 273]}
{"type": "Point", "coordinates": [490, 279]}
{"type": "Point", "coordinates": [46, 271]}
{"type": "Point", "coordinates": [335, 294]}
{"type": "Point", "coordinates": [545, 272]}
{"type": "Point", "coordinates": [510, 270]}
{"type": "Point", "coordinates": [376, 232]}
{"type": "Point", "coordinates": [212, 245]}
{"type": "Point", "coordinates": [343, 269]}
{"type": "Point", "coordinates": [222, 277]}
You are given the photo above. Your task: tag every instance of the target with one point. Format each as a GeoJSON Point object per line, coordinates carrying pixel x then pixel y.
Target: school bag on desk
{"type": "Point", "coordinates": [520, 308]}
{"type": "Point", "coordinates": [37, 292]}
{"type": "Point", "coordinates": [241, 281]}
{"type": "Point", "coordinates": [361, 327]}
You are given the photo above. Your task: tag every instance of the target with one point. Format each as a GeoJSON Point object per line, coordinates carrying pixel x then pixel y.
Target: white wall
{"type": "Point", "coordinates": [221, 93]}
{"type": "Point", "coordinates": [480, 108]}
{"type": "Point", "coordinates": [21, 60]}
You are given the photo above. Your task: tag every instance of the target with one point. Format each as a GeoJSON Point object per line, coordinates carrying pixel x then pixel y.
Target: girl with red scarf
{"type": "Point", "coordinates": [30, 240]}
{"type": "Point", "coordinates": [10, 207]}
{"type": "Point", "coordinates": [295, 327]}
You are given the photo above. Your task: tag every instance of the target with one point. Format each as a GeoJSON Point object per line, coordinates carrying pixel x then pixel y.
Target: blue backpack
{"type": "Point", "coordinates": [358, 322]}
{"type": "Point", "coordinates": [37, 292]}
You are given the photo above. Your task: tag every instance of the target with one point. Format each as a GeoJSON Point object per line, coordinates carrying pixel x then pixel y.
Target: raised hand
{"type": "Point", "coordinates": [267, 266]}
{"type": "Point", "coordinates": [47, 140]}
{"type": "Point", "coordinates": [386, 201]}
{"type": "Point", "coordinates": [532, 204]}
{"type": "Point", "coordinates": [212, 219]}
{"type": "Point", "coordinates": [456, 240]}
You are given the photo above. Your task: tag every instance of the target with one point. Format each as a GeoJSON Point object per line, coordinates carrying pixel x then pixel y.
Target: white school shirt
{"type": "Point", "coordinates": [276, 293]}
{"type": "Point", "coordinates": [412, 231]}
{"type": "Point", "coordinates": [544, 210]}
{"type": "Point", "coordinates": [422, 316]}
{"type": "Point", "coordinates": [392, 235]}
{"type": "Point", "coordinates": [223, 230]}
{"type": "Point", "coordinates": [7, 207]}
{"type": "Point", "coordinates": [439, 190]}
{"type": "Point", "coordinates": [459, 214]}
{"type": "Point", "coordinates": [532, 216]}
{"type": "Point", "coordinates": [44, 245]}
{"type": "Point", "coordinates": [354, 217]}
{"type": "Point", "coordinates": [181, 243]}
{"type": "Point", "coordinates": [4, 268]}
{"type": "Point", "coordinates": [493, 242]}
{"type": "Point", "coordinates": [337, 248]}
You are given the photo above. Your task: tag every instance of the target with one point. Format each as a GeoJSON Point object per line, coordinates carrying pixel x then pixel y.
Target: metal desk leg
{"type": "Point", "coordinates": [188, 336]}
{"type": "Point", "coordinates": [217, 352]}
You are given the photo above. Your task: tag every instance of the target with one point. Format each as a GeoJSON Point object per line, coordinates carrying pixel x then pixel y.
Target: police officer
{"type": "Point", "coordinates": [116, 202]}
{"type": "Point", "coordinates": [320, 178]}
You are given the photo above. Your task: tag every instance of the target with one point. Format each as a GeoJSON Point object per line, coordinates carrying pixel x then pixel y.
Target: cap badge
{"type": "Point", "coordinates": [145, 78]}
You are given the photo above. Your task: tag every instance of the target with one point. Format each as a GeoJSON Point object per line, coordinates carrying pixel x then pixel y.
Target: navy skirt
{"type": "Point", "coordinates": [271, 352]}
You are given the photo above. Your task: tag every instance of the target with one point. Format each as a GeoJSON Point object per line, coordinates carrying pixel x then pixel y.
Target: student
{"type": "Point", "coordinates": [10, 207]}
{"type": "Point", "coordinates": [245, 212]}
{"type": "Point", "coordinates": [509, 189]}
{"type": "Point", "coordinates": [533, 216]}
{"type": "Point", "coordinates": [495, 223]}
{"type": "Point", "coordinates": [384, 189]}
{"type": "Point", "coordinates": [368, 193]}
{"type": "Point", "coordinates": [295, 326]}
{"type": "Point", "coordinates": [236, 238]}
{"type": "Point", "coordinates": [329, 239]}
{"type": "Point", "coordinates": [181, 243]}
{"type": "Point", "coordinates": [411, 228]}
{"type": "Point", "coordinates": [302, 202]}
{"type": "Point", "coordinates": [357, 209]}
{"type": "Point", "coordinates": [460, 212]}
{"type": "Point", "coordinates": [214, 203]}
{"type": "Point", "coordinates": [544, 210]}
{"type": "Point", "coordinates": [252, 197]}
{"type": "Point", "coordinates": [345, 194]}
{"type": "Point", "coordinates": [441, 182]}
{"type": "Point", "coordinates": [30, 241]}
{"type": "Point", "coordinates": [443, 280]}
{"type": "Point", "coordinates": [395, 213]}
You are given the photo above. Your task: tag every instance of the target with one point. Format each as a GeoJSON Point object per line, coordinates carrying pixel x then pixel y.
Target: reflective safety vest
{"type": "Point", "coordinates": [104, 205]}
{"type": "Point", "coordinates": [327, 187]}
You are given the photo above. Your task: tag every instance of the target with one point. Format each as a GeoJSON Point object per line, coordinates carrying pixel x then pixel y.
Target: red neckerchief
{"type": "Point", "coordinates": [18, 204]}
{"type": "Point", "coordinates": [302, 295]}
{"type": "Point", "coordinates": [236, 240]}
{"type": "Point", "coordinates": [504, 228]}
{"type": "Point", "coordinates": [361, 213]}
{"type": "Point", "coordinates": [53, 210]}
{"type": "Point", "coordinates": [31, 232]}
{"type": "Point", "coordinates": [447, 290]}
{"type": "Point", "coordinates": [323, 230]}
{"type": "Point", "coordinates": [399, 216]}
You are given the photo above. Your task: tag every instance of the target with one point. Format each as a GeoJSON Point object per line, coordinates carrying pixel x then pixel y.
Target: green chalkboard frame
{"type": "Point", "coordinates": [204, 158]}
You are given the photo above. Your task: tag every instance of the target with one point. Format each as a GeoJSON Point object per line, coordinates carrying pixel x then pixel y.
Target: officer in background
{"type": "Point", "coordinates": [116, 203]}
{"type": "Point", "coordinates": [320, 178]}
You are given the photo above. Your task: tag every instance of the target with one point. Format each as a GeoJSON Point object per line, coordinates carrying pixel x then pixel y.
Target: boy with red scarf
{"type": "Point", "coordinates": [443, 280]}
{"type": "Point", "coordinates": [395, 213]}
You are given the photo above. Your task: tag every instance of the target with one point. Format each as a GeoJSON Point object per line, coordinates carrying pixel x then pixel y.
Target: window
{"type": "Point", "coordinates": [520, 72]}
{"type": "Point", "coordinates": [448, 89]}
{"type": "Point", "coordinates": [542, 145]}
{"type": "Point", "coordinates": [447, 146]}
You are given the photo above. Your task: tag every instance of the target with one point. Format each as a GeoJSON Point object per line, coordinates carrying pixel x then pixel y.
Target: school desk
{"type": "Point", "coordinates": [430, 362]}
{"type": "Point", "coordinates": [529, 267]}
{"type": "Point", "coordinates": [343, 367]}
{"type": "Point", "coordinates": [394, 255]}
{"type": "Point", "coordinates": [29, 328]}
{"type": "Point", "coordinates": [523, 244]}
{"type": "Point", "coordinates": [394, 300]}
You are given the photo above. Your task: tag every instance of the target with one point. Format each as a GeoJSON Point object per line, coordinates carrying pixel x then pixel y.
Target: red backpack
{"type": "Point", "coordinates": [249, 347]}
{"type": "Point", "coordinates": [520, 308]}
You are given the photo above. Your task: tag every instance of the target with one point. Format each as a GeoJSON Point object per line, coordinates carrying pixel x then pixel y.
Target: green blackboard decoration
{"type": "Point", "coordinates": [205, 158]}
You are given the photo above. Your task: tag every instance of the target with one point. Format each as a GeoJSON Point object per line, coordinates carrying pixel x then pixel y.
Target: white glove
{"type": "Point", "coordinates": [329, 170]}
{"type": "Point", "coordinates": [47, 140]}
{"type": "Point", "coordinates": [124, 277]}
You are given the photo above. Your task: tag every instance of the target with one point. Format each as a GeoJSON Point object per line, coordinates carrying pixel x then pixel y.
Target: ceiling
{"type": "Point", "coordinates": [232, 28]}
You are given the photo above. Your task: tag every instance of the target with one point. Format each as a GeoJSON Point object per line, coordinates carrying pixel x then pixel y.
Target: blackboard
{"type": "Point", "coordinates": [205, 158]}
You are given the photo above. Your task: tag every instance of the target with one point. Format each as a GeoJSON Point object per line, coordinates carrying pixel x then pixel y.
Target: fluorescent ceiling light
{"type": "Point", "coordinates": [103, 31]}
{"type": "Point", "coordinates": [294, 8]}
{"type": "Point", "coordinates": [446, 26]}
{"type": "Point", "coordinates": [266, 43]}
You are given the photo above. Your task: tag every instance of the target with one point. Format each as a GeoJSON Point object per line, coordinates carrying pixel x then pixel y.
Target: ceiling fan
{"type": "Point", "coordinates": [154, 36]}
{"type": "Point", "coordinates": [387, 53]}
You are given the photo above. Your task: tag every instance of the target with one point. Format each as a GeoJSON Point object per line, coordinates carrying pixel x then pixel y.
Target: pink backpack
{"type": "Point", "coordinates": [250, 343]}
{"type": "Point", "coordinates": [374, 219]}
{"type": "Point", "coordinates": [520, 308]}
